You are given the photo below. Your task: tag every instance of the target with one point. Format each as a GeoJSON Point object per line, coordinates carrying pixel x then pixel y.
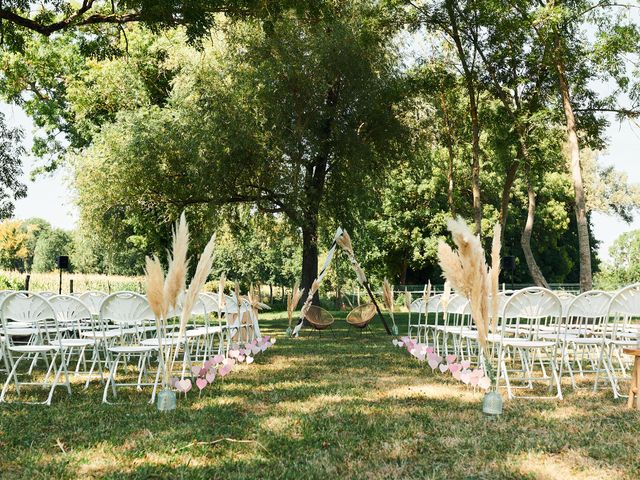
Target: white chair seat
{"type": "Point", "coordinates": [20, 332]}
{"type": "Point", "coordinates": [33, 348]}
{"type": "Point", "coordinates": [99, 335]}
{"type": "Point", "coordinates": [522, 343]}
{"type": "Point", "coordinates": [585, 340]}
{"type": "Point", "coordinates": [623, 343]}
{"type": "Point", "coordinates": [133, 349]}
{"type": "Point", "coordinates": [153, 342]}
{"type": "Point", "coordinates": [76, 342]}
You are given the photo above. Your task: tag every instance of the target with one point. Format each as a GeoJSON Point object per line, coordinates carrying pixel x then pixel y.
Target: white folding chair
{"type": "Point", "coordinates": [527, 315]}
{"type": "Point", "coordinates": [621, 331]}
{"type": "Point", "coordinates": [428, 329]}
{"type": "Point", "coordinates": [130, 314]}
{"type": "Point", "coordinates": [582, 337]}
{"type": "Point", "coordinates": [565, 300]}
{"type": "Point", "coordinates": [451, 320]}
{"type": "Point", "coordinates": [417, 306]}
{"type": "Point", "coordinates": [42, 339]}
{"type": "Point", "coordinates": [74, 317]}
{"type": "Point", "coordinates": [93, 300]}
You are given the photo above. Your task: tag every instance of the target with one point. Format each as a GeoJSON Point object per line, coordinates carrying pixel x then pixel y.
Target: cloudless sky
{"type": "Point", "coordinates": [51, 198]}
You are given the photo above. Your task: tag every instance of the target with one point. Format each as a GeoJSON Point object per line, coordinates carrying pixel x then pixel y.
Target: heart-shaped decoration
{"type": "Point", "coordinates": [396, 343]}
{"type": "Point", "coordinates": [256, 349]}
{"type": "Point", "coordinates": [240, 358]}
{"type": "Point", "coordinates": [443, 367]}
{"type": "Point", "coordinates": [273, 342]}
{"type": "Point", "coordinates": [254, 342]}
{"type": "Point", "coordinates": [477, 373]}
{"type": "Point", "coordinates": [454, 367]}
{"type": "Point", "coordinates": [184, 385]}
{"type": "Point", "coordinates": [484, 383]}
{"type": "Point", "coordinates": [234, 353]}
{"type": "Point", "coordinates": [209, 363]}
{"type": "Point", "coordinates": [203, 371]}
{"type": "Point", "coordinates": [465, 377]}
{"type": "Point", "coordinates": [433, 363]}
{"type": "Point", "coordinates": [267, 338]}
{"type": "Point", "coordinates": [405, 339]}
{"type": "Point", "coordinates": [201, 383]}
{"type": "Point", "coordinates": [195, 370]}
{"type": "Point", "coordinates": [249, 360]}
{"type": "Point", "coordinates": [456, 374]}
{"type": "Point", "coordinates": [473, 380]}
{"type": "Point", "coordinates": [210, 377]}
{"type": "Point", "coordinates": [451, 358]}
{"type": "Point", "coordinates": [420, 356]}
{"type": "Point", "coordinates": [224, 370]}
{"type": "Point", "coordinates": [247, 346]}
{"type": "Point", "coordinates": [465, 364]}
{"type": "Point", "coordinates": [429, 349]}
{"type": "Point", "coordinates": [218, 359]}
{"type": "Point", "coordinates": [229, 361]}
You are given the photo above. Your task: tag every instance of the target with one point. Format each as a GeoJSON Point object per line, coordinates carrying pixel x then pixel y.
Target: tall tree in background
{"type": "Point", "coordinates": [11, 153]}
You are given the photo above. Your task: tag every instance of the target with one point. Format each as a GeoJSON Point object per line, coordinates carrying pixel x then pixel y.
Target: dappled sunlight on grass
{"type": "Point", "coordinates": [567, 465]}
{"type": "Point", "coordinates": [349, 407]}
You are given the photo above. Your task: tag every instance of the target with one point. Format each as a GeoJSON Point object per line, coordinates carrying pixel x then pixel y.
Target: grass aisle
{"type": "Point", "coordinates": [346, 407]}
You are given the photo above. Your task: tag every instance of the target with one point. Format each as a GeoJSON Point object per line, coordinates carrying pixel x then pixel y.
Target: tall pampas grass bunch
{"type": "Point", "coordinates": [293, 298]}
{"type": "Point", "coordinates": [344, 242]}
{"type": "Point", "coordinates": [164, 292]}
{"type": "Point", "coordinates": [467, 272]}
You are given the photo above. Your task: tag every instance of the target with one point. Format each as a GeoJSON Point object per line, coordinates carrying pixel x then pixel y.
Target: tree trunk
{"type": "Point", "coordinates": [576, 174]}
{"type": "Point", "coordinates": [310, 258]}
{"type": "Point", "coordinates": [449, 143]}
{"type": "Point", "coordinates": [270, 293]}
{"type": "Point", "coordinates": [525, 240]}
{"type": "Point", "coordinates": [469, 78]}
{"type": "Point", "coordinates": [506, 197]}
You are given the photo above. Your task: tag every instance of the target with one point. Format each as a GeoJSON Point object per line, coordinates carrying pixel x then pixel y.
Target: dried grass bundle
{"type": "Point", "coordinates": [293, 298]}
{"type": "Point", "coordinates": [154, 279]}
{"type": "Point", "coordinates": [494, 275]}
{"type": "Point", "coordinates": [203, 269]}
{"type": "Point", "coordinates": [344, 242]}
{"type": "Point", "coordinates": [307, 304]}
{"type": "Point", "coordinates": [466, 270]}
{"type": "Point", "coordinates": [407, 300]}
{"type": "Point", "coordinates": [175, 281]}
{"type": "Point", "coordinates": [446, 296]}
{"type": "Point", "coordinates": [387, 295]}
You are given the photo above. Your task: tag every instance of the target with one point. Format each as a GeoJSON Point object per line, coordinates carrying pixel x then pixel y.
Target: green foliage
{"type": "Point", "coordinates": [11, 188]}
{"type": "Point", "coordinates": [624, 265]}
{"type": "Point", "coordinates": [49, 246]}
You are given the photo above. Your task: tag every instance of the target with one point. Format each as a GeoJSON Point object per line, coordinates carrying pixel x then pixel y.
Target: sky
{"type": "Point", "coordinates": [50, 197]}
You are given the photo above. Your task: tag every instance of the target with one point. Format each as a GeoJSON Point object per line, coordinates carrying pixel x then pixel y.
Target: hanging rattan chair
{"type": "Point", "coordinates": [361, 316]}
{"type": "Point", "coordinates": [319, 318]}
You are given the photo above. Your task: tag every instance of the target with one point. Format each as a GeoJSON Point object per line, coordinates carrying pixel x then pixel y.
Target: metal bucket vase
{"type": "Point", "coordinates": [492, 404]}
{"type": "Point", "coordinates": [166, 400]}
{"type": "Point", "coordinates": [289, 332]}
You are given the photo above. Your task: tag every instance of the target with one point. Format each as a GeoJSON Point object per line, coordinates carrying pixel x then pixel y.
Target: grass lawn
{"type": "Point", "coordinates": [346, 407]}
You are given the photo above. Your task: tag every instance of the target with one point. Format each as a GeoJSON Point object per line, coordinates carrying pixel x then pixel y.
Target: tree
{"type": "Point", "coordinates": [13, 245]}
{"type": "Point", "coordinates": [51, 245]}
{"type": "Point", "coordinates": [11, 188]}
{"type": "Point", "coordinates": [296, 118]}
{"type": "Point", "coordinates": [623, 267]}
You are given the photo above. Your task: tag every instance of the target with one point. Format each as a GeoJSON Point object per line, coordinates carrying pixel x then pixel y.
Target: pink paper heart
{"type": "Point", "coordinates": [477, 373]}
{"type": "Point", "coordinates": [224, 370]}
{"type": "Point", "coordinates": [256, 349]}
{"type": "Point", "coordinates": [396, 343]}
{"type": "Point", "coordinates": [234, 353]}
{"type": "Point", "coordinates": [433, 363]}
{"type": "Point", "coordinates": [268, 344]}
{"type": "Point", "coordinates": [473, 380]}
{"type": "Point", "coordinates": [454, 367]}
{"type": "Point", "coordinates": [443, 367]}
{"type": "Point", "coordinates": [195, 370]}
{"type": "Point", "coordinates": [201, 383]}
{"type": "Point", "coordinates": [240, 358]}
{"type": "Point", "coordinates": [209, 363]}
{"type": "Point", "coordinates": [218, 359]}
{"type": "Point", "coordinates": [484, 383]}
{"type": "Point", "coordinates": [456, 374]}
{"type": "Point", "coordinates": [254, 342]}
{"type": "Point", "coordinates": [247, 346]}
{"type": "Point", "coordinates": [267, 338]}
{"type": "Point", "coordinates": [429, 349]}
{"type": "Point", "coordinates": [405, 339]}
{"type": "Point", "coordinates": [465, 364]}
{"type": "Point", "coordinates": [210, 377]}
{"type": "Point", "coordinates": [451, 358]}
{"type": "Point", "coordinates": [249, 360]}
{"type": "Point", "coordinates": [203, 371]}
{"type": "Point", "coordinates": [420, 356]}
{"type": "Point", "coordinates": [184, 385]}
{"type": "Point", "coordinates": [465, 377]}
{"type": "Point", "coordinates": [229, 362]}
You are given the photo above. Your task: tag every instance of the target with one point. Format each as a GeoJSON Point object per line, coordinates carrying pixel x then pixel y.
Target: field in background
{"type": "Point", "coordinates": [48, 282]}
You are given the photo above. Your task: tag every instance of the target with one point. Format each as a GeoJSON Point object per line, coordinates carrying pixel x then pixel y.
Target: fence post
{"type": "Point", "coordinates": [26, 282]}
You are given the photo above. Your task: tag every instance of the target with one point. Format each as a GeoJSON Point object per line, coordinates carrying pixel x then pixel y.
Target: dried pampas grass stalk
{"type": "Point", "coordinates": [293, 298]}
{"type": "Point", "coordinates": [494, 275]}
{"type": "Point", "coordinates": [175, 282]}
{"type": "Point", "coordinates": [466, 270]}
{"type": "Point", "coordinates": [344, 242]}
{"type": "Point", "coordinates": [446, 296]}
{"type": "Point", "coordinates": [407, 300]}
{"type": "Point", "coordinates": [154, 278]}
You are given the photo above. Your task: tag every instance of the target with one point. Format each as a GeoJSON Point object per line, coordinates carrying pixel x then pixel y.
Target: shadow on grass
{"type": "Point", "coordinates": [350, 407]}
